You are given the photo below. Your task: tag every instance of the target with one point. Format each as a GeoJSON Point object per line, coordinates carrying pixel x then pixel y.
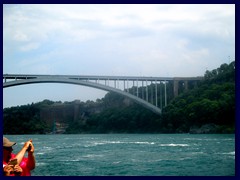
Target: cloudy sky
{"type": "Point", "coordinates": [130, 40]}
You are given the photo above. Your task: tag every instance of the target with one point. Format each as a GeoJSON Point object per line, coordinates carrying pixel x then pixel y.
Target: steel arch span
{"type": "Point", "coordinates": [83, 83]}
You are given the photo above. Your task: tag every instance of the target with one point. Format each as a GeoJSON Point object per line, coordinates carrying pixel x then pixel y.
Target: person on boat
{"type": "Point", "coordinates": [24, 165]}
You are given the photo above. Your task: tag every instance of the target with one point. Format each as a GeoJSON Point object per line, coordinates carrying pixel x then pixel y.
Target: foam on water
{"type": "Point", "coordinates": [171, 144]}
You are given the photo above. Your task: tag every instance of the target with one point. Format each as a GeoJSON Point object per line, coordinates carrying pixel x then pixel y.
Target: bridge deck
{"type": "Point", "coordinates": [92, 77]}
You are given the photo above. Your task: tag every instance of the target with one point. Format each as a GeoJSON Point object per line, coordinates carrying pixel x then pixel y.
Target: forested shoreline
{"type": "Point", "coordinates": [207, 108]}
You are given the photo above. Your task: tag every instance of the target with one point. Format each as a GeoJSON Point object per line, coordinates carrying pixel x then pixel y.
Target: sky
{"type": "Point", "coordinates": [162, 40]}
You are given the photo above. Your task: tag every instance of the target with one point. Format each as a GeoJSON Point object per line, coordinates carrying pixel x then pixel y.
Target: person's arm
{"type": "Point", "coordinates": [19, 156]}
{"type": "Point", "coordinates": [31, 160]}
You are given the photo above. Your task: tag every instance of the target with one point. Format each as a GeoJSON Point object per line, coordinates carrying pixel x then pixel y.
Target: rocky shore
{"type": "Point", "coordinates": [210, 129]}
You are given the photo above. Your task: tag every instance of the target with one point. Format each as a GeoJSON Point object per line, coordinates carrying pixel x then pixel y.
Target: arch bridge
{"type": "Point", "coordinates": [133, 87]}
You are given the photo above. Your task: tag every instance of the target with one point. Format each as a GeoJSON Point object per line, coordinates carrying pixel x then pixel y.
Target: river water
{"type": "Point", "coordinates": [132, 154]}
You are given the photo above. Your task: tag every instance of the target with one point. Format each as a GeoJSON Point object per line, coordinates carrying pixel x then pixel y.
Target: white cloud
{"type": "Point", "coordinates": [29, 47]}
{"type": "Point", "coordinates": [19, 36]}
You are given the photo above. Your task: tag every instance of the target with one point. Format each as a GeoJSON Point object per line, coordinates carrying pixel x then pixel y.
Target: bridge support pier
{"type": "Point", "coordinates": [175, 87]}
{"type": "Point", "coordinates": [146, 91]}
{"type": "Point", "coordinates": [156, 93]}
{"type": "Point", "coordinates": [186, 85]}
{"type": "Point", "coordinates": [165, 93]}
